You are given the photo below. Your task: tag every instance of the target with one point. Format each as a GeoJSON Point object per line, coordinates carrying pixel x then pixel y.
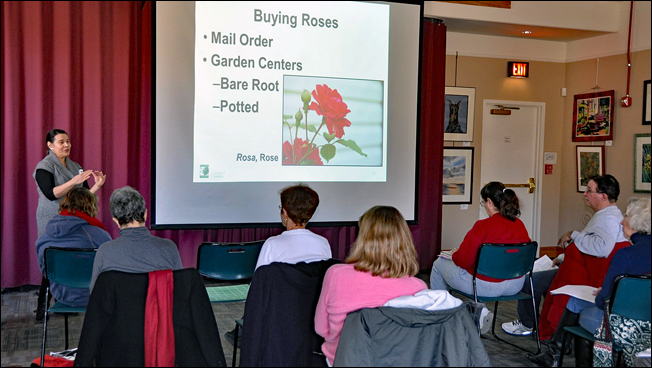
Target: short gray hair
{"type": "Point", "coordinates": [127, 205]}
{"type": "Point", "coordinates": [638, 213]}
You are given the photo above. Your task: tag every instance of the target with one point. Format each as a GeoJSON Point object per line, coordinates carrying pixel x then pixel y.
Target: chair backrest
{"type": "Point", "coordinates": [630, 297]}
{"type": "Point", "coordinates": [228, 261]}
{"type": "Point", "coordinates": [279, 322]}
{"type": "Point", "coordinates": [505, 261]}
{"type": "Point", "coordinates": [71, 267]}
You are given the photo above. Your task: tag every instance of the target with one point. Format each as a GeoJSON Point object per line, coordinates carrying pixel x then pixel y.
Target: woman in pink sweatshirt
{"type": "Point", "coordinates": [381, 266]}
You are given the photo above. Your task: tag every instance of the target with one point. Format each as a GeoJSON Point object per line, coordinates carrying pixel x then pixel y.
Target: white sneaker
{"type": "Point", "coordinates": [516, 328]}
{"type": "Point", "coordinates": [486, 317]}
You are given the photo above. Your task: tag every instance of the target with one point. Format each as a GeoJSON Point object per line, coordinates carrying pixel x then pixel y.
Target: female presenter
{"type": "Point", "coordinates": [56, 175]}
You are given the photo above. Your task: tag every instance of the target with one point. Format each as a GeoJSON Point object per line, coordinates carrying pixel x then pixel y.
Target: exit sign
{"type": "Point", "coordinates": [518, 69]}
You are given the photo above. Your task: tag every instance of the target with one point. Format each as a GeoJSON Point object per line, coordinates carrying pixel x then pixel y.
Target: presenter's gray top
{"type": "Point", "coordinates": [47, 209]}
{"type": "Point", "coordinates": [136, 251]}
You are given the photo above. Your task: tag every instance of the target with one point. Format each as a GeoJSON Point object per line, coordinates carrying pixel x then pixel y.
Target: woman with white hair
{"type": "Point", "coordinates": [632, 260]}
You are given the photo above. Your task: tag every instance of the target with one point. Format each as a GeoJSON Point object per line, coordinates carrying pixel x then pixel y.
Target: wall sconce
{"type": "Point", "coordinates": [518, 69]}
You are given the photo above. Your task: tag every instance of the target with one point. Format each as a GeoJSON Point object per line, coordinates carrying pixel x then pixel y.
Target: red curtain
{"type": "Point", "coordinates": [85, 67]}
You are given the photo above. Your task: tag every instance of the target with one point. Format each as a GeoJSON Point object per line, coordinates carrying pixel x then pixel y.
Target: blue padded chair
{"type": "Point", "coordinates": [228, 262]}
{"type": "Point", "coordinates": [506, 261]}
{"type": "Point", "coordinates": [630, 297]}
{"type": "Point", "coordinates": [72, 267]}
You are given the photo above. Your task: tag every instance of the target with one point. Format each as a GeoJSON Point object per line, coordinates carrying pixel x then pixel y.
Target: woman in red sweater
{"type": "Point", "coordinates": [502, 226]}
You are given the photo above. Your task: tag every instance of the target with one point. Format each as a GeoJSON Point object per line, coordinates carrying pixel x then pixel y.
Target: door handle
{"type": "Point", "coordinates": [530, 185]}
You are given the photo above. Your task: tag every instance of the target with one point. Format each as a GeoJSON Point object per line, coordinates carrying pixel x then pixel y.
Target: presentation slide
{"type": "Point", "coordinates": [290, 91]}
{"type": "Point", "coordinates": [252, 97]}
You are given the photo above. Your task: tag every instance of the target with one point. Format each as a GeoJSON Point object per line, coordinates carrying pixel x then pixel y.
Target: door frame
{"type": "Point", "coordinates": [487, 105]}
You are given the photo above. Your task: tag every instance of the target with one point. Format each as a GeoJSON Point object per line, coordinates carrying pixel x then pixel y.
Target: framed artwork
{"type": "Point", "coordinates": [458, 114]}
{"type": "Point", "coordinates": [590, 162]}
{"type": "Point", "coordinates": [593, 117]}
{"type": "Point", "coordinates": [642, 174]}
{"type": "Point", "coordinates": [458, 175]}
{"type": "Point", "coordinates": [646, 102]}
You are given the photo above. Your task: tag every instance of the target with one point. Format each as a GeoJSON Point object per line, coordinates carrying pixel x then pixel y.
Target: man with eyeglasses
{"type": "Point", "coordinates": [604, 230]}
{"type": "Point", "coordinates": [597, 240]}
{"type": "Point", "coordinates": [587, 257]}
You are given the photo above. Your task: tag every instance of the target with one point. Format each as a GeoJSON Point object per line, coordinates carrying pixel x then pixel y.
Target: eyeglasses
{"type": "Point", "coordinates": [589, 191]}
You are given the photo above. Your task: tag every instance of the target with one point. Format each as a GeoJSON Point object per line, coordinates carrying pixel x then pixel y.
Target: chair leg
{"type": "Point", "coordinates": [65, 316]}
{"type": "Point", "coordinates": [535, 328]}
{"type": "Point", "coordinates": [563, 348]}
{"type": "Point", "coordinates": [45, 327]}
{"type": "Point", "coordinates": [235, 345]}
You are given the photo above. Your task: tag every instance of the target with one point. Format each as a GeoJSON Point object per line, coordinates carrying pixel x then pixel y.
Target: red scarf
{"type": "Point", "coordinates": [91, 220]}
{"type": "Point", "coordinates": [159, 321]}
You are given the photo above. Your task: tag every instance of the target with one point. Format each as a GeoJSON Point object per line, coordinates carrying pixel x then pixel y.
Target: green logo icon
{"type": "Point", "coordinates": [203, 171]}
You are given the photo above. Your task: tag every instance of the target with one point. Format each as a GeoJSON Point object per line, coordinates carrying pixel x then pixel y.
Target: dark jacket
{"type": "Point", "coordinates": [633, 260]}
{"type": "Point", "coordinates": [69, 232]}
{"type": "Point", "coordinates": [279, 327]}
{"type": "Point", "coordinates": [113, 330]}
{"type": "Point", "coordinates": [404, 337]}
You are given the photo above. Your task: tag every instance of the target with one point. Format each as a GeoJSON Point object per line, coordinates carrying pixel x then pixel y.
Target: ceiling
{"type": "Point", "coordinates": [516, 30]}
{"type": "Point", "coordinates": [559, 21]}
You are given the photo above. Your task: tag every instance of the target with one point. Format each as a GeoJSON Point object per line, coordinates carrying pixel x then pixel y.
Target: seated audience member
{"type": "Point", "coordinates": [296, 244]}
{"type": "Point", "coordinates": [588, 252]}
{"type": "Point", "coordinates": [633, 260]}
{"type": "Point", "coordinates": [502, 226]}
{"type": "Point", "coordinates": [381, 266]}
{"type": "Point", "coordinates": [136, 250]}
{"type": "Point", "coordinates": [74, 227]}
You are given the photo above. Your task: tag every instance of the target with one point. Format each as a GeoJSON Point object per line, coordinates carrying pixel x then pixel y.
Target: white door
{"type": "Point", "coordinates": [512, 153]}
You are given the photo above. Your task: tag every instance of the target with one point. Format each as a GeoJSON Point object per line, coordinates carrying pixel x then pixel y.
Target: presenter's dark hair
{"type": "Point", "coordinates": [503, 198]}
{"type": "Point", "coordinates": [53, 133]}
{"type": "Point", "coordinates": [300, 203]}
{"type": "Point", "coordinates": [127, 205]}
{"type": "Point", "coordinates": [608, 185]}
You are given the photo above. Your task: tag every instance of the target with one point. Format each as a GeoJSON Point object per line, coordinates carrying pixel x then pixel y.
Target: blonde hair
{"type": "Point", "coordinates": [384, 245]}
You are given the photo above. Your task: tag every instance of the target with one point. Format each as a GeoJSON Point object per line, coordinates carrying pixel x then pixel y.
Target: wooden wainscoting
{"type": "Point", "coordinates": [551, 252]}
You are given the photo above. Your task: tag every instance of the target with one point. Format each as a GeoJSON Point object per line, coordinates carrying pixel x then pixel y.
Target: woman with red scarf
{"type": "Point", "coordinates": [74, 227]}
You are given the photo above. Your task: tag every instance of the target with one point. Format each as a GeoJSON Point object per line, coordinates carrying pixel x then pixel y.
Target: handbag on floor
{"type": "Point", "coordinates": [603, 345]}
{"type": "Point", "coordinates": [632, 335]}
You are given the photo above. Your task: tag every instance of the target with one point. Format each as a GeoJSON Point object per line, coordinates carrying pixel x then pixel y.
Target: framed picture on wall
{"type": "Point", "coordinates": [590, 162]}
{"type": "Point", "coordinates": [647, 109]}
{"type": "Point", "coordinates": [593, 117]}
{"type": "Point", "coordinates": [642, 174]}
{"type": "Point", "coordinates": [458, 175]}
{"type": "Point", "coordinates": [458, 114]}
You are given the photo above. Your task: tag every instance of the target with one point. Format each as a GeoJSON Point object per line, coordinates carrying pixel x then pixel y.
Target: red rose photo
{"type": "Point", "coordinates": [331, 121]}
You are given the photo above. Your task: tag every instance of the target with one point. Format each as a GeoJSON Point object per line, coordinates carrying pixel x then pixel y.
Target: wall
{"type": "Point", "coordinates": [619, 159]}
{"type": "Point", "coordinates": [563, 208]}
{"type": "Point", "coordinates": [488, 76]}
{"type": "Point", "coordinates": [482, 63]}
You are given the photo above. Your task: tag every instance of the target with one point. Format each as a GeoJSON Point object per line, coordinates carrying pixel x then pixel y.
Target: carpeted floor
{"type": "Point", "coordinates": [22, 336]}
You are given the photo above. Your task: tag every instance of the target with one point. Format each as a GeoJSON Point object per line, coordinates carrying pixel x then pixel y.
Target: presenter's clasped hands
{"type": "Point", "coordinates": [100, 178]}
